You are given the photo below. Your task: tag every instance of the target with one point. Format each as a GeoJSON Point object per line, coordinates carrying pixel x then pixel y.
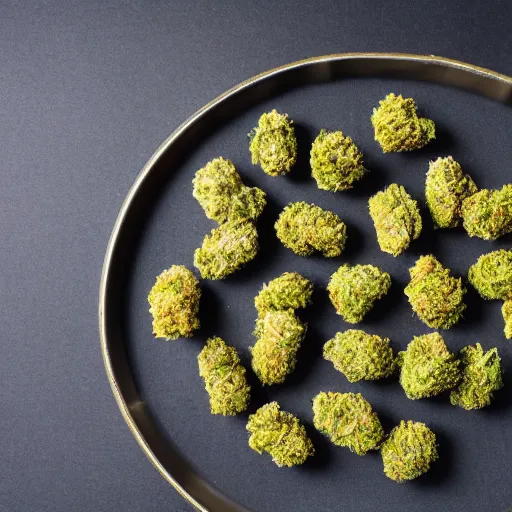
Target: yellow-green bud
{"type": "Point", "coordinates": [396, 218]}
{"type": "Point", "coordinates": [506, 311]}
{"type": "Point", "coordinates": [224, 378]}
{"type": "Point", "coordinates": [273, 144]}
{"type": "Point", "coordinates": [435, 296]}
{"type": "Point", "coordinates": [398, 127]}
{"type": "Point", "coordinates": [174, 303]}
{"type": "Point", "coordinates": [226, 249]}
{"type": "Point", "coordinates": [427, 367]}
{"type": "Point", "coordinates": [348, 420]}
{"type": "Point", "coordinates": [306, 228]}
{"type": "Point", "coordinates": [488, 213]}
{"type": "Point", "coordinates": [491, 275]}
{"type": "Point", "coordinates": [279, 336]}
{"type": "Point", "coordinates": [220, 191]}
{"type": "Point", "coordinates": [481, 377]}
{"type": "Point", "coordinates": [336, 162]}
{"type": "Point", "coordinates": [354, 290]}
{"type": "Point", "coordinates": [446, 187]}
{"type": "Point", "coordinates": [360, 356]}
{"type": "Point", "coordinates": [280, 434]}
{"type": "Point", "coordinates": [290, 291]}
{"type": "Point", "coordinates": [409, 451]}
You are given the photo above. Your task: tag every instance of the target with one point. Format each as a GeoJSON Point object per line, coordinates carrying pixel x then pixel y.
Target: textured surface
{"type": "Point", "coordinates": [89, 90]}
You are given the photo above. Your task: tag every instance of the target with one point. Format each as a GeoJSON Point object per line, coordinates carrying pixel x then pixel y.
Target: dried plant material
{"type": "Point", "coordinates": [174, 303]}
{"type": "Point", "coordinates": [396, 218]}
{"type": "Point", "coordinates": [280, 434]}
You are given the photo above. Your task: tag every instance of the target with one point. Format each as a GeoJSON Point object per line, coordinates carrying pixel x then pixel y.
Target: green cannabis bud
{"type": "Point", "coordinates": [446, 187]}
{"type": "Point", "coordinates": [273, 144]}
{"type": "Point", "coordinates": [279, 335]}
{"type": "Point", "coordinates": [506, 311]}
{"type": "Point", "coordinates": [488, 213]}
{"type": "Point", "coordinates": [398, 127]}
{"type": "Point", "coordinates": [306, 228]}
{"type": "Point", "coordinates": [280, 434]}
{"type": "Point", "coordinates": [435, 296]}
{"type": "Point", "coordinates": [226, 249]}
{"type": "Point", "coordinates": [353, 290]}
{"type": "Point", "coordinates": [224, 378]}
{"type": "Point", "coordinates": [348, 420]}
{"type": "Point", "coordinates": [290, 291]}
{"type": "Point", "coordinates": [174, 303]}
{"type": "Point", "coordinates": [336, 162]}
{"type": "Point", "coordinates": [481, 377]}
{"type": "Point", "coordinates": [409, 451]}
{"type": "Point", "coordinates": [491, 275]}
{"type": "Point", "coordinates": [221, 193]}
{"type": "Point", "coordinates": [360, 356]}
{"type": "Point", "coordinates": [427, 367]}
{"type": "Point", "coordinates": [396, 218]}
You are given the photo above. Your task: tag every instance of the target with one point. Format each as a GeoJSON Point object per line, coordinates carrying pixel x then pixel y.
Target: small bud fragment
{"type": "Point", "coordinates": [348, 420]}
{"type": "Point", "coordinates": [226, 249]}
{"type": "Point", "coordinates": [220, 191]}
{"type": "Point", "coordinates": [306, 228]}
{"type": "Point", "coordinates": [360, 356]}
{"type": "Point", "coordinates": [279, 336]}
{"type": "Point", "coordinates": [488, 213]}
{"type": "Point", "coordinates": [396, 218]}
{"type": "Point", "coordinates": [491, 275]}
{"type": "Point", "coordinates": [353, 290]}
{"type": "Point", "coordinates": [446, 187]}
{"type": "Point", "coordinates": [174, 303]}
{"type": "Point", "coordinates": [336, 162]}
{"type": "Point", "coordinates": [398, 127]}
{"type": "Point", "coordinates": [506, 311]}
{"type": "Point", "coordinates": [435, 296]}
{"type": "Point", "coordinates": [409, 451]}
{"type": "Point", "coordinates": [224, 378]}
{"type": "Point", "coordinates": [273, 144]}
{"type": "Point", "coordinates": [481, 377]}
{"type": "Point", "coordinates": [427, 367]}
{"type": "Point", "coordinates": [290, 291]}
{"type": "Point", "coordinates": [280, 434]}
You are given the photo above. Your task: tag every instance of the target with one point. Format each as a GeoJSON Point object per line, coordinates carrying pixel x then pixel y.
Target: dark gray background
{"type": "Point", "coordinates": [87, 91]}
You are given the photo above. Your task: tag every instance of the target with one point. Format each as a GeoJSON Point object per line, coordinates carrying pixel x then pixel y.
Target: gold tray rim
{"type": "Point", "coordinates": [129, 411]}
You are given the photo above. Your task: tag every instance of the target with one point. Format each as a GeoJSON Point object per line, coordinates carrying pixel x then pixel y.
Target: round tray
{"type": "Point", "coordinates": [150, 220]}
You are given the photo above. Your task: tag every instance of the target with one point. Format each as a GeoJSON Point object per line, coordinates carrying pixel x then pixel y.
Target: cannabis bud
{"type": "Point", "coordinates": [360, 356]}
{"type": "Point", "coordinates": [336, 162]}
{"type": "Point", "coordinates": [174, 303]}
{"type": "Point", "coordinates": [306, 228]}
{"type": "Point", "coordinates": [488, 213]}
{"type": "Point", "coordinates": [353, 290]}
{"type": "Point", "coordinates": [226, 249]}
{"type": "Point", "coordinates": [398, 127]}
{"type": "Point", "coordinates": [220, 191]}
{"type": "Point", "coordinates": [280, 434]}
{"type": "Point", "coordinates": [446, 187]}
{"type": "Point", "coordinates": [427, 367]}
{"type": "Point", "coordinates": [273, 144]}
{"type": "Point", "coordinates": [491, 275]}
{"type": "Point", "coordinates": [506, 311]}
{"type": "Point", "coordinates": [435, 296]}
{"type": "Point", "coordinates": [409, 451]}
{"type": "Point", "coordinates": [348, 420]}
{"type": "Point", "coordinates": [396, 218]}
{"type": "Point", "coordinates": [279, 336]}
{"type": "Point", "coordinates": [481, 377]}
{"type": "Point", "coordinates": [290, 291]}
{"type": "Point", "coordinates": [224, 378]}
